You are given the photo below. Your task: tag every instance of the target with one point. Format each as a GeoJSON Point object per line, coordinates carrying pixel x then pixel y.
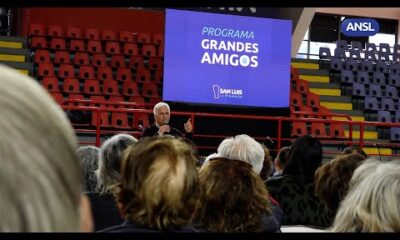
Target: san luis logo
{"type": "Point", "coordinates": [360, 27]}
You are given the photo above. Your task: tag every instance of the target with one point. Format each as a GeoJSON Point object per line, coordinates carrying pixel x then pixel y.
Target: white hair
{"type": "Point", "coordinates": [40, 173]}
{"type": "Point", "coordinates": [244, 148]}
{"type": "Point", "coordinates": [208, 158]}
{"type": "Point", "coordinates": [111, 152]}
{"type": "Point", "coordinates": [372, 203]}
{"type": "Point", "coordinates": [158, 105]}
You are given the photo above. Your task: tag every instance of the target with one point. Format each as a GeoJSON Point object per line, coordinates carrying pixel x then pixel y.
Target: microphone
{"type": "Point", "coordinates": [269, 142]}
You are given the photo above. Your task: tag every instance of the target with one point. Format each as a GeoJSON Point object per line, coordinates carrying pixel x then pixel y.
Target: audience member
{"type": "Point", "coordinates": [332, 179]}
{"type": "Point", "coordinates": [234, 198]}
{"type": "Point", "coordinates": [266, 170]}
{"type": "Point", "coordinates": [105, 211]}
{"type": "Point", "coordinates": [162, 116]}
{"type": "Point", "coordinates": [159, 190]}
{"type": "Point", "coordinates": [40, 183]}
{"type": "Point", "coordinates": [281, 161]}
{"type": "Point", "coordinates": [372, 203]}
{"type": "Point", "coordinates": [355, 149]}
{"type": "Point", "coordinates": [89, 156]}
{"type": "Point", "coordinates": [294, 190]}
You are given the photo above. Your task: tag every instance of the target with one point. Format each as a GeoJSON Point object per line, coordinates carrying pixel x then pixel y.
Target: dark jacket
{"type": "Point", "coordinates": [104, 211]}
{"type": "Point", "coordinates": [129, 227]}
{"type": "Point", "coordinates": [298, 202]}
{"type": "Point", "coordinates": [153, 131]}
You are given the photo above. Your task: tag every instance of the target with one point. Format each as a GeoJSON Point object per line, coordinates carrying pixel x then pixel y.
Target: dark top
{"type": "Point", "coordinates": [153, 131]}
{"type": "Point", "coordinates": [104, 211]}
{"type": "Point", "coordinates": [298, 202]}
{"type": "Point", "coordinates": [129, 227]}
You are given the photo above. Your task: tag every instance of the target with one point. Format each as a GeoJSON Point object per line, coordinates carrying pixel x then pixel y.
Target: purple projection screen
{"type": "Point", "coordinates": [226, 59]}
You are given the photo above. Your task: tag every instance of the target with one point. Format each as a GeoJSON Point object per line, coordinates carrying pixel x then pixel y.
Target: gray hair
{"type": "Point", "coordinates": [111, 152]}
{"type": "Point", "coordinates": [244, 148]}
{"type": "Point", "coordinates": [158, 105]}
{"type": "Point", "coordinates": [89, 156]}
{"type": "Point", "coordinates": [372, 203]}
{"type": "Point", "coordinates": [40, 182]}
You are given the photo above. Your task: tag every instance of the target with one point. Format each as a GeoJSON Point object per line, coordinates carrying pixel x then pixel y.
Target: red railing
{"type": "Point", "coordinates": [130, 108]}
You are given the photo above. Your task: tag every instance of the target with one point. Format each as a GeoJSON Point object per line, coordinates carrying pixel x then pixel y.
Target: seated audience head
{"type": "Point", "coordinates": [234, 198]}
{"type": "Point", "coordinates": [267, 164]}
{"type": "Point", "coordinates": [243, 148]}
{"type": "Point", "coordinates": [40, 175]}
{"type": "Point", "coordinates": [161, 113]}
{"type": "Point", "coordinates": [372, 203]}
{"type": "Point", "coordinates": [281, 159]}
{"type": "Point", "coordinates": [111, 152]}
{"type": "Point", "coordinates": [89, 156]}
{"type": "Point", "coordinates": [355, 149]}
{"type": "Point", "coordinates": [159, 187]}
{"type": "Point", "coordinates": [332, 179]}
{"type": "Point", "coordinates": [304, 158]}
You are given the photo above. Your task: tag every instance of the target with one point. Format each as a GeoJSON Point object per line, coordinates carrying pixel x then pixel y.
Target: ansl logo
{"type": "Point", "coordinates": [360, 27]}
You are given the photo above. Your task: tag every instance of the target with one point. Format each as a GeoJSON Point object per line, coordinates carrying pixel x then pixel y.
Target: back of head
{"type": "Point", "coordinates": [304, 158]}
{"type": "Point", "coordinates": [283, 156]}
{"type": "Point", "coordinates": [40, 182]}
{"type": "Point", "coordinates": [159, 186]}
{"type": "Point", "coordinates": [89, 156]}
{"type": "Point", "coordinates": [332, 179]}
{"type": "Point", "coordinates": [234, 198]}
{"type": "Point", "coordinates": [243, 148]}
{"type": "Point", "coordinates": [372, 203]}
{"type": "Point", "coordinates": [355, 149]}
{"type": "Point", "coordinates": [267, 164]}
{"type": "Point", "coordinates": [110, 161]}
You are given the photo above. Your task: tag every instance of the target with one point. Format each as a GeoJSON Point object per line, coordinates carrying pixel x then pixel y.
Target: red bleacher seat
{"type": "Point", "coordinates": [58, 44]}
{"type": "Point", "coordinates": [38, 42]}
{"type": "Point", "coordinates": [61, 57]}
{"type": "Point", "coordinates": [158, 76]}
{"type": "Point", "coordinates": [42, 56]}
{"type": "Point", "coordinates": [336, 130]}
{"type": "Point", "coordinates": [130, 88]}
{"type": "Point", "coordinates": [36, 29]}
{"type": "Point", "coordinates": [124, 74]}
{"type": "Point", "coordinates": [58, 97]}
{"type": "Point", "coordinates": [51, 84]}
{"type": "Point", "coordinates": [160, 51]}
{"type": "Point", "coordinates": [55, 31]}
{"type": "Point", "coordinates": [141, 119]}
{"type": "Point", "coordinates": [143, 75]}
{"type": "Point", "coordinates": [108, 35]}
{"type": "Point", "coordinates": [154, 100]}
{"type": "Point", "coordinates": [99, 59]}
{"type": "Point", "coordinates": [299, 128]}
{"type": "Point", "coordinates": [137, 99]}
{"type": "Point", "coordinates": [104, 116]}
{"type": "Point", "coordinates": [92, 34]}
{"type": "Point", "coordinates": [131, 49]}
{"type": "Point", "coordinates": [144, 37]}
{"type": "Point", "coordinates": [149, 50]}
{"type": "Point", "coordinates": [77, 45]}
{"type": "Point", "coordinates": [66, 71]}
{"type": "Point", "coordinates": [326, 111]}
{"type": "Point", "coordinates": [126, 36]}
{"type": "Point", "coordinates": [318, 130]}
{"type": "Point", "coordinates": [112, 48]}
{"type": "Point", "coordinates": [150, 89]}
{"type": "Point", "coordinates": [120, 120]}
{"type": "Point", "coordinates": [296, 99]}
{"type": "Point", "coordinates": [136, 62]}
{"type": "Point", "coordinates": [306, 109]}
{"type": "Point", "coordinates": [45, 70]}
{"type": "Point", "coordinates": [71, 85]}
{"type": "Point", "coordinates": [313, 100]}
{"type": "Point", "coordinates": [81, 58]}
{"type": "Point", "coordinates": [91, 87]}
{"type": "Point", "coordinates": [158, 38]}
{"type": "Point", "coordinates": [302, 86]}
{"type": "Point", "coordinates": [155, 63]}
{"type": "Point", "coordinates": [75, 96]}
{"type": "Point", "coordinates": [74, 32]}
{"type": "Point", "coordinates": [110, 87]}
{"type": "Point", "coordinates": [294, 74]}
{"type": "Point", "coordinates": [117, 61]}
{"type": "Point", "coordinates": [94, 46]}
{"type": "Point", "coordinates": [104, 73]}
{"type": "Point", "coordinates": [86, 72]}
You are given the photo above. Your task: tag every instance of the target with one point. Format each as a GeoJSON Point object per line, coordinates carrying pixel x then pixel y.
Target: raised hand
{"type": "Point", "coordinates": [188, 126]}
